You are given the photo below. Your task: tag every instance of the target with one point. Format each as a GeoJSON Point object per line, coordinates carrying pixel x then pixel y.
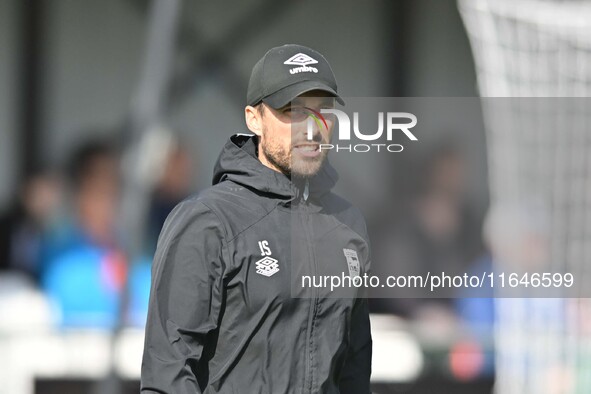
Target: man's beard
{"type": "Point", "coordinates": [281, 158]}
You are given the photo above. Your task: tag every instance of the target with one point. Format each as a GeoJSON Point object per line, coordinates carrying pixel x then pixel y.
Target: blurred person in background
{"type": "Point", "coordinates": [92, 173]}
{"type": "Point", "coordinates": [86, 268]}
{"type": "Point", "coordinates": [435, 231]}
{"type": "Point", "coordinates": [23, 227]}
{"type": "Point", "coordinates": [441, 218]}
{"type": "Point", "coordinates": [173, 186]}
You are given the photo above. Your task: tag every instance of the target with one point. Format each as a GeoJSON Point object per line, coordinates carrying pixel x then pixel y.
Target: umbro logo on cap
{"type": "Point", "coordinates": [300, 59]}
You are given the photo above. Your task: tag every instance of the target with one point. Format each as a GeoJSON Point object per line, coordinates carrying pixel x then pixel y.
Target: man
{"type": "Point", "coordinates": [228, 312]}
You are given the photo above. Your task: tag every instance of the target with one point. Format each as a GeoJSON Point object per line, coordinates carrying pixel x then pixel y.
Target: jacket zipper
{"type": "Point", "coordinates": [309, 381]}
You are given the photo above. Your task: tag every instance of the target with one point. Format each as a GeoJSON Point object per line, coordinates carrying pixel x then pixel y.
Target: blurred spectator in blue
{"type": "Point", "coordinates": [24, 225]}
{"type": "Point", "coordinates": [475, 307]}
{"type": "Point", "coordinates": [173, 186]}
{"type": "Point", "coordinates": [86, 269]}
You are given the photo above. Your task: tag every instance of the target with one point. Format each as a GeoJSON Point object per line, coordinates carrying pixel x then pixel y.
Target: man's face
{"type": "Point", "coordinates": [284, 144]}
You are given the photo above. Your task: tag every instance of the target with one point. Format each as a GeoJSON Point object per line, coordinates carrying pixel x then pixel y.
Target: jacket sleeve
{"type": "Point", "coordinates": [356, 373]}
{"type": "Point", "coordinates": [185, 301]}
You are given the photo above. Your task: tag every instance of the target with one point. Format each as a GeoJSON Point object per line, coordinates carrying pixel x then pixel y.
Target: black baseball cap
{"type": "Point", "coordinates": [288, 71]}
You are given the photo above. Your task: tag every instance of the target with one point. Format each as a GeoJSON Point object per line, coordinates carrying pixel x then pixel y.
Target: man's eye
{"type": "Point", "coordinates": [297, 113]}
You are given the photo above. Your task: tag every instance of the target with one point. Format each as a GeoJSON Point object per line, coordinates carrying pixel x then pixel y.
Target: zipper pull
{"type": "Point", "coordinates": [306, 190]}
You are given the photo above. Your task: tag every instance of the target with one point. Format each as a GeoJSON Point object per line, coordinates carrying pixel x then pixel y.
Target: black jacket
{"type": "Point", "coordinates": [228, 312]}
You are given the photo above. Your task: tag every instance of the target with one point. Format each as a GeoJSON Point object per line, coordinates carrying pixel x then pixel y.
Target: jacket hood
{"type": "Point", "coordinates": [239, 163]}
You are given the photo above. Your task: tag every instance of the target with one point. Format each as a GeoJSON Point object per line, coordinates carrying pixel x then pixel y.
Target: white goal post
{"type": "Point", "coordinates": [533, 62]}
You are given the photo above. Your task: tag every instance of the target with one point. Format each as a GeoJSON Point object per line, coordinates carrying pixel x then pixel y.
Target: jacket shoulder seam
{"type": "Point", "coordinates": [228, 239]}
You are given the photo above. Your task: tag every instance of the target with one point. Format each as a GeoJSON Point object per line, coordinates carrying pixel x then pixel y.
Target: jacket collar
{"type": "Point", "coordinates": [239, 163]}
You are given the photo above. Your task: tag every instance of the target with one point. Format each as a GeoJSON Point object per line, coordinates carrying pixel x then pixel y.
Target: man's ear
{"type": "Point", "coordinates": [253, 119]}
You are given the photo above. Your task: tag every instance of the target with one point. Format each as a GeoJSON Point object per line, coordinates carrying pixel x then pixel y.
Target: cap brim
{"type": "Point", "coordinates": [284, 96]}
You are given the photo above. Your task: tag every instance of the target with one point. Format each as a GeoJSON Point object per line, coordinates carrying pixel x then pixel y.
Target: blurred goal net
{"type": "Point", "coordinates": [533, 61]}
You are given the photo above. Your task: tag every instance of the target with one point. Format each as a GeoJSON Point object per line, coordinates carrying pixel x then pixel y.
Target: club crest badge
{"type": "Point", "coordinates": [352, 262]}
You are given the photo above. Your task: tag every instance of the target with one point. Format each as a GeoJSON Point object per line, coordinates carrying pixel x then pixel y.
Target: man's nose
{"type": "Point", "coordinates": [312, 131]}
